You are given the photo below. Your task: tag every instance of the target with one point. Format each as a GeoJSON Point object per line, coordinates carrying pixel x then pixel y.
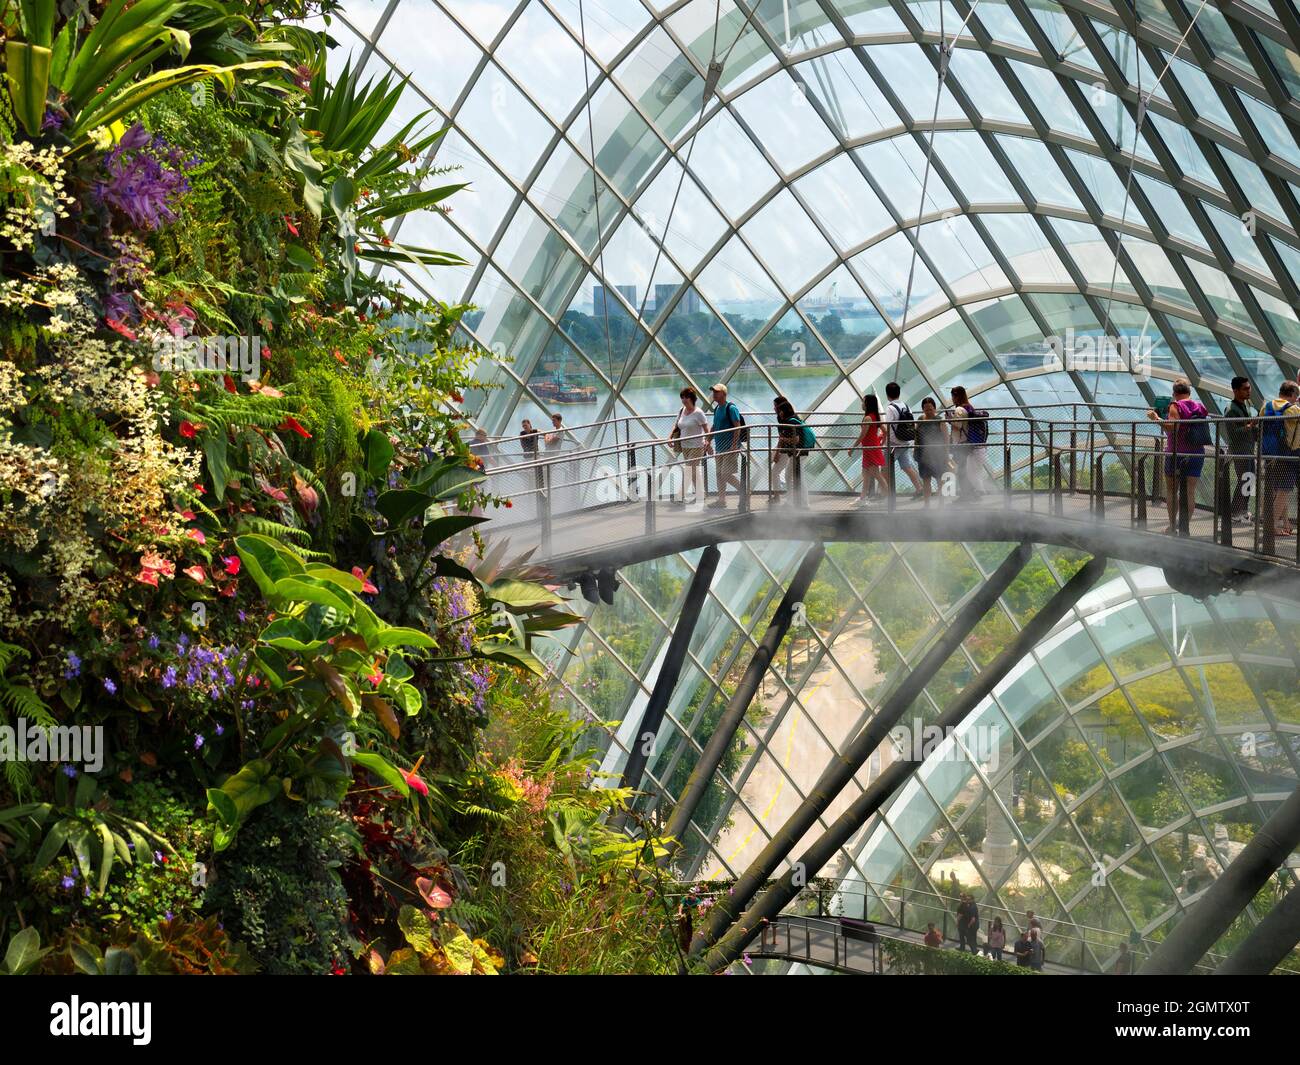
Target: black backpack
{"type": "Point", "coordinates": [905, 427]}
{"type": "Point", "coordinates": [742, 430]}
{"type": "Point", "coordinates": [977, 426]}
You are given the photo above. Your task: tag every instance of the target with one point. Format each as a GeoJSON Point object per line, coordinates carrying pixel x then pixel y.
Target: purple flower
{"type": "Point", "coordinates": [51, 120]}
{"type": "Point", "coordinates": [70, 772]}
{"type": "Point", "coordinates": [119, 305]}
{"type": "Point", "coordinates": [109, 686]}
{"type": "Point", "coordinates": [74, 666]}
{"type": "Point", "coordinates": [198, 740]}
{"type": "Point", "coordinates": [169, 677]}
{"type": "Point", "coordinates": [221, 730]}
{"type": "Point", "coordinates": [68, 882]}
{"type": "Point", "coordinates": [168, 916]}
{"type": "Point", "coordinates": [157, 857]}
{"type": "Point", "coordinates": [153, 642]}
{"type": "Point", "coordinates": [145, 179]}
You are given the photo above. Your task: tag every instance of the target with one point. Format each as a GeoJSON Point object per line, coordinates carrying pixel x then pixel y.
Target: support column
{"type": "Point", "coordinates": [1271, 940]}
{"type": "Point", "coordinates": [842, 769]}
{"type": "Point", "coordinates": [670, 669]}
{"type": "Point", "coordinates": [1210, 917]}
{"type": "Point", "coordinates": [876, 794]}
{"type": "Point", "coordinates": [738, 705]}
{"type": "Point", "coordinates": [1000, 847]}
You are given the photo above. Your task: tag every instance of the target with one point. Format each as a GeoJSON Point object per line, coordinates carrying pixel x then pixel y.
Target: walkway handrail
{"type": "Point", "coordinates": [1053, 933]}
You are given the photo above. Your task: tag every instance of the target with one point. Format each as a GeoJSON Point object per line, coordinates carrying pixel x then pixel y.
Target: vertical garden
{"type": "Point", "coordinates": [266, 704]}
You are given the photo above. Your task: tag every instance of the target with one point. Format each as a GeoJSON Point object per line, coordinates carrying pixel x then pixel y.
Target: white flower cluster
{"type": "Point", "coordinates": [35, 194]}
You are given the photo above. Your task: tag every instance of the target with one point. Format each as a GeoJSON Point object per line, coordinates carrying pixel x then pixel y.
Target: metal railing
{"type": "Point", "coordinates": [1230, 491]}
{"type": "Point", "coordinates": [1068, 943]}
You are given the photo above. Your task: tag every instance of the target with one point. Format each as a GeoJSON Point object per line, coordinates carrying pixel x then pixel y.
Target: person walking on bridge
{"type": "Point", "coordinates": [791, 446]}
{"type": "Point", "coordinates": [902, 432]}
{"type": "Point", "coordinates": [725, 443]}
{"type": "Point", "coordinates": [931, 449]}
{"type": "Point", "coordinates": [690, 433]}
{"type": "Point", "coordinates": [871, 440]}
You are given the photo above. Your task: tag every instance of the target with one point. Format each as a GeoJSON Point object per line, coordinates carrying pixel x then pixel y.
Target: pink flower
{"type": "Point", "coordinates": [196, 574]}
{"type": "Point", "coordinates": [232, 564]}
{"type": "Point", "coordinates": [155, 563]}
{"type": "Point", "coordinates": [148, 576]}
{"type": "Point", "coordinates": [196, 535]}
{"type": "Point", "coordinates": [187, 515]}
{"type": "Point", "coordinates": [434, 895]}
{"type": "Point", "coordinates": [376, 675]}
{"type": "Point", "coordinates": [416, 784]}
{"type": "Point", "coordinates": [366, 587]}
{"type": "Point", "coordinates": [120, 327]}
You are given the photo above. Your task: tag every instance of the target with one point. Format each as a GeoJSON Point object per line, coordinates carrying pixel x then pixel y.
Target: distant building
{"type": "Point", "coordinates": [688, 304]}
{"type": "Point", "coordinates": [628, 292]}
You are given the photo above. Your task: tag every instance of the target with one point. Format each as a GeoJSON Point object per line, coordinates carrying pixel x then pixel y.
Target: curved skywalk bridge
{"type": "Point", "coordinates": [1098, 485]}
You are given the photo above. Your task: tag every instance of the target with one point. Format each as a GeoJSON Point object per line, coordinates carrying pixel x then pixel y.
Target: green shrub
{"type": "Point", "coordinates": [912, 959]}
{"type": "Point", "coordinates": [278, 890]}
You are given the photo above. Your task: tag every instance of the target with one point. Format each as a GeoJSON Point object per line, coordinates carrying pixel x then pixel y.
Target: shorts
{"type": "Point", "coordinates": [903, 456]}
{"type": "Point", "coordinates": [1281, 474]}
{"type": "Point", "coordinates": [1188, 465]}
{"type": "Point", "coordinates": [692, 454]}
{"type": "Point", "coordinates": [726, 464]}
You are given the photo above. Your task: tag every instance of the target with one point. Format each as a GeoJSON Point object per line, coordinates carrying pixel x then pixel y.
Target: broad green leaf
{"type": "Point", "coordinates": [23, 952]}
{"type": "Point", "coordinates": [308, 590]}
{"type": "Point", "coordinates": [458, 948]}
{"type": "Point", "coordinates": [401, 504]}
{"type": "Point", "coordinates": [514, 656]}
{"type": "Point", "coordinates": [521, 595]}
{"type": "Point", "coordinates": [214, 454]}
{"type": "Point", "coordinates": [224, 806]}
{"type": "Point", "coordinates": [108, 851]}
{"type": "Point", "coordinates": [383, 769]}
{"type": "Point", "coordinates": [379, 453]}
{"type": "Point", "coordinates": [440, 529]}
{"type": "Point", "coordinates": [27, 67]}
{"type": "Point", "coordinates": [400, 636]}
{"type": "Point", "coordinates": [79, 844]}
{"type": "Point", "coordinates": [53, 843]}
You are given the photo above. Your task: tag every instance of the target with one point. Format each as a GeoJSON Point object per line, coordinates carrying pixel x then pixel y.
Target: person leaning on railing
{"type": "Point", "coordinates": [1183, 457]}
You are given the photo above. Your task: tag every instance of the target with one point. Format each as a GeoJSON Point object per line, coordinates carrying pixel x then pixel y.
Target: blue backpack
{"type": "Point", "coordinates": [1272, 440]}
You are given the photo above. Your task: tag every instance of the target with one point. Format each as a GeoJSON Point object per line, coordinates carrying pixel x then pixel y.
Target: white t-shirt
{"type": "Point", "coordinates": [693, 426]}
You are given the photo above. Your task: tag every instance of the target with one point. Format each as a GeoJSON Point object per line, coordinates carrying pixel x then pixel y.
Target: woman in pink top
{"type": "Point", "coordinates": [1182, 457]}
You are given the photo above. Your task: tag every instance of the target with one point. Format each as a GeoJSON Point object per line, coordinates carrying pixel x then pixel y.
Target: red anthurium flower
{"type": "Point", "coordinates": [433, 894]}
{"type": "Point", "coordinates": [229, 382]}
{"type": "Point", "coordinates": [230, 589]}
{"type": "Point", "coordinates": [196, 574]}
{"type": "Point", "coordinates": [196, 535]}
{"type": "Point", "coordinates": [293, 424]}
{"type": "Point", "coordinates": [232, 564]}
{"type": "Point", "coordinates": [120, 327]}
{"type": "Point", "coordinates": [188, 429]}
{"type": "Point", "coordinates": [376, 675]}
{"type": "Point", "coordinates": [200, 489]}
{"type": "Point", "coordinates": [413, 781]}
{"type": "Point", "coordinates": [288, 224]}
{"type": "Point", "coordinates": [148, 576]}
{"type": "Point", "coordinates": [277, 494]}
{"type": "Point", "coordinates": [187, 514]}
{"type": "Point", "coordinates": [366, 587]}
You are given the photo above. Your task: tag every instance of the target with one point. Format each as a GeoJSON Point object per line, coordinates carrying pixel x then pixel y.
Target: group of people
{"type": "Point", "coordinates": [925, 447]}
{"type": "Point", "coordinates": [1272, 434]}
{"type": "Point", "coordinates": [1029, 950]}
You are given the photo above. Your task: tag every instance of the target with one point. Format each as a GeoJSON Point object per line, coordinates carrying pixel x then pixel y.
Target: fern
{"type": "Point", "coordinates": [278, 530]}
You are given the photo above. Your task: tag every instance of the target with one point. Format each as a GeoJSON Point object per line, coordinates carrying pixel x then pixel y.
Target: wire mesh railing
{"type": "Point", "coordinates": [862, 908]}
{"type": "Point", "coordinates": [1227, 481]}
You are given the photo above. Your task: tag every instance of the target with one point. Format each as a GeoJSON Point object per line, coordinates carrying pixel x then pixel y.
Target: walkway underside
{"type": "Point", "coordinates": [616, 535]}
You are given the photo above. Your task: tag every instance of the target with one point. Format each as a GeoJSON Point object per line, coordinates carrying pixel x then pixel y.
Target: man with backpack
{"type": "Point", "coordinates": [1240, 430]}
{"type": "Point", "coordinates": [902, 434]}
{"type": "Point", "coordinates": [1279, 445]}
{"type": "Point", "coordinates": [1187, 432]}
{"type": "Point", "coordinates": [725, 443]}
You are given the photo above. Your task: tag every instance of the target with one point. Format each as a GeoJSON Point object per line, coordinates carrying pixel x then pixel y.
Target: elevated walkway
{"type": "Point", "coordinates": [1099, 488]}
